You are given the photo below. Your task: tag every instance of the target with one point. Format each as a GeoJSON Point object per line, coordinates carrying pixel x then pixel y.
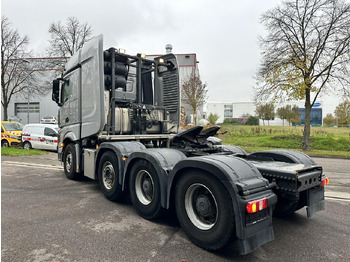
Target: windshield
{"type": "Point", "coordinates": [13, 126]}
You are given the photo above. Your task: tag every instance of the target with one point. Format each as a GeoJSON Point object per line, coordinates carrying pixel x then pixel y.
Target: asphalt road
{"type": "Point", "coordinates": [46, 217]}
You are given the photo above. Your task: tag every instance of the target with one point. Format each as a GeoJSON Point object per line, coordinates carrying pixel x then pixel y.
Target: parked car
{"type": "Point", "coordinates": [11, 133]}
{"type": "Point", "coordinates": [40, 136]}
{"type": "Point", "coordinates": [48, 120]}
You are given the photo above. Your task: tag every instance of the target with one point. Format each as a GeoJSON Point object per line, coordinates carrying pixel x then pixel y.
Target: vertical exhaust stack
{"type": "Point", "coordinates": [168, 49]}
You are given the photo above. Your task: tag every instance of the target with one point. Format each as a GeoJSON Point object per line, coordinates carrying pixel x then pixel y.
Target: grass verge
{"type": "Point", "coordinates": [15, 151]}
{"type": "Point", "coordinates": [333, 142]}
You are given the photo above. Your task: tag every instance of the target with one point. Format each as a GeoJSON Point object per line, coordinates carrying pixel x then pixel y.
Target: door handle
{"type": "Point", "coordinates": [67, 120]}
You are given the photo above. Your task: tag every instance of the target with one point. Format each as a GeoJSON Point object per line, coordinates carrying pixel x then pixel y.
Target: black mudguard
{"type": "Point", "coordinates": [233, 149]}
{"type": "Point", "coordinates": [240, 178]}
{"type": "Point", "coordinates": [121, 150]}
{"type": "Point", "coordinates": [287, 156]}
{"type": "Point", "coordinates": [162, 159]}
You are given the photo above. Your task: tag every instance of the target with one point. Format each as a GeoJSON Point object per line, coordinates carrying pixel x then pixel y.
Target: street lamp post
{"type": "Point", "coordinates": [28, 62]}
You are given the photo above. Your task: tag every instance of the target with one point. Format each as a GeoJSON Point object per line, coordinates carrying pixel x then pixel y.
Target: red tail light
{"type": "Point", "coordinates": [325, 181]}
{"type": "Point", "coordinates": [256, 205]}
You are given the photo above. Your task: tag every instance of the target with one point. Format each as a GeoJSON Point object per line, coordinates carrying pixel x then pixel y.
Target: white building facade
{"type": "Point", "coordinates": [244, 109]}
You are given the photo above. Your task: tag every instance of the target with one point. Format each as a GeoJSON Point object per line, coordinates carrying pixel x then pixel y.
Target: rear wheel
{"type": "Point", "coordinates": [27, 145]}
{"type": "Point", "coordinates": [69, 162]}
{"type": "Point", "coordinates": [204, 209]}
{"type": "Point", "coordinates": [145, 190]}
{"type": "Point", "coordinates": [5, 143]}
{"type": "Point", "coordinates": [108, 176]}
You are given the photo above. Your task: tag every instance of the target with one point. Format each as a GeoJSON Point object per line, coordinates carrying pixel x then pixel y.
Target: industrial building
{"type": "Point", "coordinates": [243, 109]}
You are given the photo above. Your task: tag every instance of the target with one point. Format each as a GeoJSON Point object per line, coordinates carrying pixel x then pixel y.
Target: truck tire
{"type": "Point", "coordinates": [144, 189]}
{"type": "Point", "coordinates": [69, 162]}
{"type": "Point", "coordinates": [108, 176]}
{"type": "Point", "coordinates": [27, 145]}
{"type": "Point", "coordinates": [204, 210]}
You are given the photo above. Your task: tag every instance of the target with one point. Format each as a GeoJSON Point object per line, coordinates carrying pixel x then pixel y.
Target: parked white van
{"type": "Point", "coordinates": [40, 136]}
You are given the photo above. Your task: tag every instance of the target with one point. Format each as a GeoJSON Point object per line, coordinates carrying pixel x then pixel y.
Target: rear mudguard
{"type": "Point", "coordinates": [240, 178]}
{"type": "Point", "coordinates": [122, 150]}
{"type": "Point", "coordinates": [283, 156]}
{"type": "Point", "coordinates": [233, 149]}
{"type": "Point", "coordinates": [162, 159]}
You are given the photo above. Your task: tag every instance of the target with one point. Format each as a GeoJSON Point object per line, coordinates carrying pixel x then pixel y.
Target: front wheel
{"type": "Point", "coordinates": [108, 176]}
{"type": "Point", "coordinates": [144, 189]}
{"type": "Point", "coordinates": [69, 162]}
{"type": "Point", "coordinates": [27, 145]}
{"type": "Point", "coordinates": [204, 210]}
{"type": "Point", "coordinates": [5, 143]}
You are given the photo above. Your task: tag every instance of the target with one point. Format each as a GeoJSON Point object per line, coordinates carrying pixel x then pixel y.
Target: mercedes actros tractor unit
{"type": "Point", "coordinates": [119, 121]}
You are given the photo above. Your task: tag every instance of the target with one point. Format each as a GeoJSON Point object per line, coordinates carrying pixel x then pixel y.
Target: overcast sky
{"type": "Point", "coordinates": [223, 33]}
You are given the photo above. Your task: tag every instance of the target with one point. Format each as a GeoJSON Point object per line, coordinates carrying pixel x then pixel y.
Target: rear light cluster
{"type": "Point", "coordinates": [256, 205]}
{"type": "Point", "coordinates": [325, 181]}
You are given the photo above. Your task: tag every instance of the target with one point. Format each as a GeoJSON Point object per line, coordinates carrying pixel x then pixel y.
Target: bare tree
{"type": "Point", "coordinates": [67, 39]}
{"type": "Point", "coordinates": [14, 67]}
{"type": "Point", "coordinates": [305, 52]}
{"type": "Point", "coordinates": [194, 93]}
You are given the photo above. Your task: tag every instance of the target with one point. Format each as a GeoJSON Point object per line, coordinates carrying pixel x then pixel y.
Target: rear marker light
{"type": "Point", "coordinates": [325, 181]}
{"type": "Point", "coordinates": [256, 205]}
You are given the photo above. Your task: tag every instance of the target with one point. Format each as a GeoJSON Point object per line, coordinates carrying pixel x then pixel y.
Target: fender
{"type": "Point", "coordinates": [237, 175]}
{"type": "Point", "coordinates": [163, 161]}
{"type": "Point", "coordinates": [233, 149]}
{"type": "Point", "coordinates": [121, 150]}
{"type": "Point", "coordinates": [283, 156]}
{"type": "Point", "coordinates": [70, 136]}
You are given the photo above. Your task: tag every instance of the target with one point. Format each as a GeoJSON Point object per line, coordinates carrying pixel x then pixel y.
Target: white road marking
{"type": "Point", "coordinates": [22, 164]}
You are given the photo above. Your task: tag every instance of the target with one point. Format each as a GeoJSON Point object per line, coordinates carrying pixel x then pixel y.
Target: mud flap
{"type": "Point", "coordinates": [245, 246]}
{"type": "Point", "coordinates": [315, 200]}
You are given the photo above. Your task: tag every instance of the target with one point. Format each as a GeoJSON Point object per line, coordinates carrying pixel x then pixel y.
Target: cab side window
{"type": "Point", "coordinates": [2, 130]}
{"type": "Point", "coordinates": [66, 91]}
{"type": "Point", "coordinates": [49, 132]}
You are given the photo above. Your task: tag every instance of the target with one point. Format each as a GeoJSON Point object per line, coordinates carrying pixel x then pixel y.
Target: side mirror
{"type": "Point", "coordinates": [56, 91]}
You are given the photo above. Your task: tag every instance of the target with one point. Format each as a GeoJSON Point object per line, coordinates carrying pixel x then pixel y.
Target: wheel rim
{"type": "Point", "coordinates": [68, 162]}
{"type": "Point", "coordinates": [201, 206]}
{"type": "Point", "coordinates": [108, 175]}
{"type": "Point", "coordinates": [26, 146]}
{"type": "Point", "coordinates": [144, 187]}
{"type": "Point", "coordinates": [5, 144]}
